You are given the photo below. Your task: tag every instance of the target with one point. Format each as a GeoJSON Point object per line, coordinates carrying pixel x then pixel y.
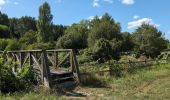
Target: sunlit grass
{"type": "Point", "coordinates": [149, 83]}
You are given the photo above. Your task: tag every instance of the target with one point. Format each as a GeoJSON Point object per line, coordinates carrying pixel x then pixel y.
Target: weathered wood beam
{"type": "Point", "coordinates": [46, 76]}
{"type": "Point", "coordinates": [76, 71]}
{"type": "Point", "coordinates": [55, 59]}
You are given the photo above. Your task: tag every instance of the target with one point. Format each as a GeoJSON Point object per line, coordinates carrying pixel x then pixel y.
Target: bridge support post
{"type": "Point", "coordinates": [46, 78]}
{"type": "Point", "coordinates": [75, 68]}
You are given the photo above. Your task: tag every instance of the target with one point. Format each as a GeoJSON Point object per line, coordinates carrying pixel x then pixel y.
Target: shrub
{"type": "Point", "coordinates": [41, 46]}
{"type": "Point", "coordinates": [11, 44]}
{"type": "Point", "coordinates": [102, 50]}
{"type": "Point", "coordinates": [10, 81]}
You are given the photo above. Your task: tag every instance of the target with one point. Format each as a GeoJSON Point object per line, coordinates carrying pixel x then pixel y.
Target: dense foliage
{"type": "Point", "coordinates": [149, 40]}
{"type": "Point", "coordinates": [96, 41]}
{"type": "Point", "coordinates": [11, 81]}
{"type": "Point", "coordinates": [94, 36]}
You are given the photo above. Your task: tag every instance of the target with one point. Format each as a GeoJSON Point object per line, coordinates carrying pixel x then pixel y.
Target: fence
{"type": "Point", "coordinates": [116, 68]}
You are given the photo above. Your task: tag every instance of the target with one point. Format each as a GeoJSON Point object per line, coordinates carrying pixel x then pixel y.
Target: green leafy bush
{"type": "Point", "coordinates": [11, 44]}
{"type": "Point", "coordinates": [11, 81]}
{"type": "Point", "coordinates": [41, 46]}
{"type": "Point", "coordinates": [102, 51]}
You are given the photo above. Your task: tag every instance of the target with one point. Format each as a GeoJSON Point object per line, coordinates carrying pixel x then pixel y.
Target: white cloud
{"type": "Point", "coordinates": [96, 3]}
{"type": "Point", "coordinates": [0, 8]}
{"type": "Point", "coordinates": [139, 22]}
{"type": "Point", "coordinates": [109, 1]}
{"type": "Point", "coordinates": [136, 17]}
{"type": "Point", "coordinates": [92, 17]}
{"type": "Point", "coordinates": [168, 32]}
{"type": "Point", "coordinates": [128, 2]}
{"type": "Point", "coordinates": [16, 3]}
{"type": "Point", "coordinates": [2, 2]}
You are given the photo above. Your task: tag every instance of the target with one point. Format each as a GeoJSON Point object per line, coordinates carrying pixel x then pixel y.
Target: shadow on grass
{"type": "Point", "coordinates": [68, 89]}
{"type": "Point", "coordinates": [93, 81]}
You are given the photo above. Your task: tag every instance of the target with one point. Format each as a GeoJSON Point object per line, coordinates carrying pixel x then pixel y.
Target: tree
{"type": "Point", "coordinates": [75, 37]}
{"type": "Point", "coordinates": [13, 26]}
{"type": "Point", "coordinates": [58, 31]}
{"type": "Point", "coordinates": [149, 40]}
{"type": "Point", "coordinates": [4, 19]}
{"type": "Point", "coordinates": [104, 27]}
{"type": "Point", "coordinates": [4, 31]}
{"type": "Point", "coordinates": [19, 26]}
{"type": "Point", "coordinates": [25, 24]}
{"type": "Point", "coordinates": [127, 43]}
{"type": "Point", "coordinates": [44, 24]}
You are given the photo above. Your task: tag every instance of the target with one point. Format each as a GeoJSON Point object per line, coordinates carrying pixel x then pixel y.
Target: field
{"type": "Point", "coordinates": [149, 83]}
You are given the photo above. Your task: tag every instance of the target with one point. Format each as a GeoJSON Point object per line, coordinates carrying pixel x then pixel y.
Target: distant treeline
{"type": "Point", "coordinates": [100, 37]}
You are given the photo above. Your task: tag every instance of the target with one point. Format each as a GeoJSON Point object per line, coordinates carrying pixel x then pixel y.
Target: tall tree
{"type": "Point", "coordinates": [104, 27]}
{"type": "Point", "coordinates": [75, 37]}
{"type": "Point", "coordinates": [149, 40]}
{"type": "Point", "coordinates": [44, 24]}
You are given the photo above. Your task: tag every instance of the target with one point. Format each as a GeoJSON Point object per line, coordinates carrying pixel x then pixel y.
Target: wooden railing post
{"type": "Point", "coordinates": [21, 57]}
{"type": "Point", "coordinates": [30, 60]}
{"type": "Point", "coordinates": [55, 59]}
{"type": "Point", "coordinates": [75, 67]}
{"type": "Point", "coordinates": [46, 70]}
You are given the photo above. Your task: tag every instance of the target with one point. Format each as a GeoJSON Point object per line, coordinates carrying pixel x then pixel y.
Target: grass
{"type": "Point", "coordinates": [149, 83]}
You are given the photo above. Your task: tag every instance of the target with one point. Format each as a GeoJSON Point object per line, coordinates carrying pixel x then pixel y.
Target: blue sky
{"type": "Point", "coordinates": [130, 13]}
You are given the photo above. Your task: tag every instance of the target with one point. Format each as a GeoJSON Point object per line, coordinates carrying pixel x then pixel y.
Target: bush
{"type": "Point", "coordinates": [102, 50]}
{"type": "Point", "coordinates": [10, 81]}
{"type": "Point", "coordinates": [11, 44]}
{"type": "Point", "coordinates": [29, 37]}
{"type": "Point", "coordinates": [40, 46]}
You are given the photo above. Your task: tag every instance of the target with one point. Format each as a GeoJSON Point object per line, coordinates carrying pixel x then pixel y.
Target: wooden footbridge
{"type": "Point", "coordinates": [52, 68]}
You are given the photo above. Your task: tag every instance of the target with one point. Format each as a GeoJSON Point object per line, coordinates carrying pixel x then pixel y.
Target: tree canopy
{"type": "Point", "coordinates": [149, 40]}
{"type": "Point", "coordinates": [44, 24]}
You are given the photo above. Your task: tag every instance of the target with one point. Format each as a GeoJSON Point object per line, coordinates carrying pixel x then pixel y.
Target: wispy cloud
{"type": "Point", "coordinates": [109, 1]}
{"type": "Point", "coordinates": [168, 32]}
{"type": "Point", "coordinates": [92, 17]}
{"type": "Point", "coordinates": [136, 17]}
{"type": "Point", "coordinates": [139, 22]}
{"type": "Point", "coordinates": [128, 2]}
{"type": "Point", "coordinates": [2, 2]}
{"type": "Point", "coordinates": [96, 3]}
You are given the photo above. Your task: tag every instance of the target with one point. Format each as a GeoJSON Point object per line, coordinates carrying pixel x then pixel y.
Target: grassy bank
{"type": "Point", "coordinates": [149, 83]}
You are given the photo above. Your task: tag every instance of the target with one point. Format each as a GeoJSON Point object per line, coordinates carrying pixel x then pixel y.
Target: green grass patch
{"type": "Point", "coordinates": [151, 83]}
